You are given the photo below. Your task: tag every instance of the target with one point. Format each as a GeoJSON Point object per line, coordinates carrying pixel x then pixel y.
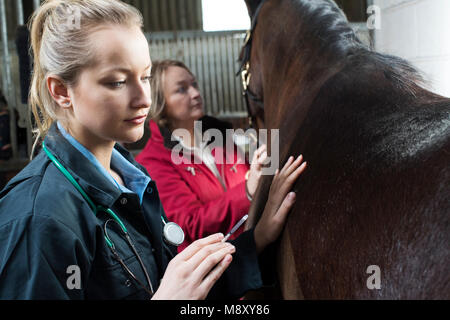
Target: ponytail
{"type": "Point", "coordinates": [39, 96]}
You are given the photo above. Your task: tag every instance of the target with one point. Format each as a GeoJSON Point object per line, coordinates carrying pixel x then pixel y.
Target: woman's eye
{"type": "Point", "coordinates": [181, 90]}
{"type": "Point", "coordinates": [117, 84]}
{"type": "Point", "coordinates": [147, 78]}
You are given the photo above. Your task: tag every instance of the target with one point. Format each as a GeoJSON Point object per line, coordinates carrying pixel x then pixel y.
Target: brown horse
{"type": "Point", "coordinates": [377, 188]}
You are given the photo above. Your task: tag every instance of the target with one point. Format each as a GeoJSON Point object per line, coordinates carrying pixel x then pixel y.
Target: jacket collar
{"type": "Point", "coordinates": [93, 182]}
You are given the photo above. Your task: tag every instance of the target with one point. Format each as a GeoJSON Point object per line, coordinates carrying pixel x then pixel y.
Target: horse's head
{"type": "Point", "coordinates": [250, 70]}
{"type": "Point", "coordinates": [292, 48]}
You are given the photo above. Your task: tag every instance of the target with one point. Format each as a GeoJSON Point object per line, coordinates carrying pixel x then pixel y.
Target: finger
{"type": "Point", "coordinates": [287, 164]}
{"type": "Point", "coordinates": [290, 180]}
{"type": "Point", "coordinates": [258, 153]}
{"type": "Point", "coordinates": [261, 150]}
{"type": "Point", "coordinates": [295, 164]}
{"type": "Point", "coordinates": [294, 176]}
{"type": "Point", "coordinates": [262, 158]}
{"type": "Point", "coordinates": [206, 252]}
{"type": "Point", "coordinates": [211, 261]}
{"type": "Point", "coordinates": [215, 274]}
{"type": "Point", "coordinates": [285, 208]}
{"type": "Point", "coordinates": [285, 180]}
{"type": "Point", "coordinates": [277, 172]}
{"type": "Point", "coordinates": [279, 178]}
{"type": "Point", "coordinates": [196, 246]}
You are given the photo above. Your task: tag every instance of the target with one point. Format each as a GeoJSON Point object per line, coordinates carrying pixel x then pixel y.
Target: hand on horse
{"type": "Point", "coordinates": [193, 272]}
{"type": "Point", "coordinates": [255, 172]}
{"type": "Point", "coordinates": [279, 203]}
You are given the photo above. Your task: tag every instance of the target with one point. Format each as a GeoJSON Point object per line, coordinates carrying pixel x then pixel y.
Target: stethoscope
{"type": "Point", "coordinates": [173, 234]}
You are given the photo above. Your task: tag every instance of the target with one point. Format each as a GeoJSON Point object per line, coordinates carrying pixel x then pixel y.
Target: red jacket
{"type": "Point", "coordinates": [192, 196]}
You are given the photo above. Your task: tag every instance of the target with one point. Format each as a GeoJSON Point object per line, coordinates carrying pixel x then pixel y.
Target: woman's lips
{"type": "Point", "coordinates": [137, 120]}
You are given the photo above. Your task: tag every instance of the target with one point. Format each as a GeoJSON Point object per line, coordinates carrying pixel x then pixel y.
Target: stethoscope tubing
{"type": "Point", "coordinates": [95, 208]}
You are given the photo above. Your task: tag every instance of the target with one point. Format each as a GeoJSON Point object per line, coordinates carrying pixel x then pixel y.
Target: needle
{"type": "Point", "coordinates": [237, 226]}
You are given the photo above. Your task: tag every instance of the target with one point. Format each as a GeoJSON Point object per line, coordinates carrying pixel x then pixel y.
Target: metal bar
{"type": "Point", "coordinates": [27, 114]}
{"type": "Point", "coordinates": [212, 75]}
{"type": "Point", "coordinates": [234, 88]}
{"type": "Point", "coordinates": [199, 11]}
{"type": "Point", "coordinates": [223, 72]}
{"type": "Point", "coordinates": [154, 22]}
{"type": "Point", "coordinates": [36, 4]}
{"type": "Point", "coordinates": [237, 41]}
{"type": "Point", "coordinates": [7, 80]}
{"type": "Point", "coordinates": [206, 79]}
{"type": "Point", "coordinates": [163, 12]}
{"type": "Point", "coordinates": [19, 12]}
{"type": "Point", "coordinates": [146, 15]}
{"type": "Point", "coordinates": [226, 73]}
{"type": "Point", "coordinates": [190, 13]}
{"type": "Point", "coordinates": [182, 14]}
{"type": "Point", "coordinates": [200, 76]}
{"type": "Point", "coordinates": [172, 15]}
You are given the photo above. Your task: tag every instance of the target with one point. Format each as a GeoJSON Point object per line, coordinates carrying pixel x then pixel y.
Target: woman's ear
{"type": "Point", "coordinates": [59, 92]}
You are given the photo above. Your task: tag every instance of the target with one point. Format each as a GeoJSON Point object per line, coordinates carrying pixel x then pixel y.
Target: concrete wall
{"type": "Point", "coordinates": [419, 31]}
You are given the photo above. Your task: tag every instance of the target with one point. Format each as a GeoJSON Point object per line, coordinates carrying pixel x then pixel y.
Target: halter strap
{"type": "Point", "coordinates": [249, 38]}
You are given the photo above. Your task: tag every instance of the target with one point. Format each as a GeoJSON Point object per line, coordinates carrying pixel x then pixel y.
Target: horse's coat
{"type": "Point", "coordinates": [377, 187]}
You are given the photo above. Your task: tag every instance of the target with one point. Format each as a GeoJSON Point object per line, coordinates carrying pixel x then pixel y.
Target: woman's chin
{"type": "Point", "coordinates": [132, 137]}
{"type": "Point", "coordinates": [198, 114]}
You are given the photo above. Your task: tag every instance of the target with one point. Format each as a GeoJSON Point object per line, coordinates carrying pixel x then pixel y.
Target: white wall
{"type": "Point", "coordinates": [419, 31]}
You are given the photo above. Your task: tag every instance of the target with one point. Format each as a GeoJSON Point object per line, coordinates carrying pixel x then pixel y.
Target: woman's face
{"type": "Point", "coordinates": [184, 103]}
{"type": "Point", "coordinates": [111, 98]}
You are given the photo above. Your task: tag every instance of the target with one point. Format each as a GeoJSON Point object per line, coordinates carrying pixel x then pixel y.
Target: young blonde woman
{"type": "Point", "coordinates": [213, 192]}
{"type": "Point", "coordinates": [83, 220]}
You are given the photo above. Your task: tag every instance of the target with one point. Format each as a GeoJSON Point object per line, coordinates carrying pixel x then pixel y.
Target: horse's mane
{"type": "Point", "coordinates": [328, 25]}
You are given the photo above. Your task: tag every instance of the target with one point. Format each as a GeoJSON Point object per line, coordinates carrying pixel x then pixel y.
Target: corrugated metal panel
{"type": "Point", "coordinates": [170, 15]}
{"type": "Point", "coordinates": [213, 58]}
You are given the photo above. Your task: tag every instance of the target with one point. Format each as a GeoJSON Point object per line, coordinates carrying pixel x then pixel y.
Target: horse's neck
{"type": "Point", "coordinates": [292, 100]}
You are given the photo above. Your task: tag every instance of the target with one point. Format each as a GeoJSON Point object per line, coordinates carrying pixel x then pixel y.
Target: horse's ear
{"type": "Point", "coordinates": [252, 5]}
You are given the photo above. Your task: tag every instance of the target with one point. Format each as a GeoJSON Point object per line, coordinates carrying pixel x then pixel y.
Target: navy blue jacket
{"type": "Point", "coordinates": [46, 228]}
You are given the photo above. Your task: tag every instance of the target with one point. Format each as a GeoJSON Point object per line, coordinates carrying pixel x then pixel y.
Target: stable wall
{"type": "Point", "coordinates": [418, 30]}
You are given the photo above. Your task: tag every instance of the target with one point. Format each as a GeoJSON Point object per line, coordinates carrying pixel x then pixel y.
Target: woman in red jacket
{"type": "Point", "coordinates": [211, 190]}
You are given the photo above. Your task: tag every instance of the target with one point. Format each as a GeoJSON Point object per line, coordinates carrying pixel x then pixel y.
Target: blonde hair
{"type": "Point", "coordinates": [62, 48]}
{"type": "Point", "coordinates": [159, 69]}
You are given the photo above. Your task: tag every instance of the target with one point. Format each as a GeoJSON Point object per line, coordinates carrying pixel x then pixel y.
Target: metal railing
{"type": "Point", "coordinates": [9, 84]}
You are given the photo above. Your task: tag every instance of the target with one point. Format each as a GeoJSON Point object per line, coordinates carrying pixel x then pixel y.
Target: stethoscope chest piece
{"type": "Point", "coordinates": [173, 234]}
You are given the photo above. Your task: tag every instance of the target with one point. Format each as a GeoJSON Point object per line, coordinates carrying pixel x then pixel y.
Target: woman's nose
{"type": "Point", "coordinates": [142, 96]}
{"type": "Point", "coordinates": [195, 92]}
